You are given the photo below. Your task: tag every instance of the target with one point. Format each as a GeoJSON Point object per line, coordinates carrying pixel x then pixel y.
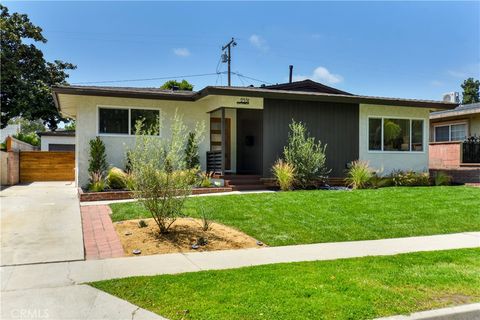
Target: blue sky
{"type": "Point", "coordinates": [401, 49]}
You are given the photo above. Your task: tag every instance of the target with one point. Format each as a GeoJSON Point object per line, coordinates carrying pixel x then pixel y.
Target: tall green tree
{"type": "Point", "coordinates": [26, 76]}
{"type": "Point", "coordinates": [471, 91]}
{"type": "Point", "coordinates": [184, 85]}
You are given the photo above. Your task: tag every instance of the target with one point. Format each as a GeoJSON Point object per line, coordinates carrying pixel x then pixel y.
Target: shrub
{"type": "Point", "coordinates": [205, 216]}
{"type": "Point", "coordinates": [192, 158]}
{"type": "Point", "coordinates": [285, 174]}
{"type": "Point", "coordinates": [359, 175]}
{"type": "Point", "coordinates": [30, 138]}
{"type": "Point", "coordinates": [129, 181]}
{"type": "Point", "coordinates": [98, 182]}
{"type": "Point", "coordinates": [161, 180]}
{"type": "Point", "coordinates": [116, 178]}
{"type": "Point", "coordinates": [442, 179]}
{"type": "Point", "coordinates": [128, 162]}
{"type": "Point", "coordinates": [378, 181]}
{"type": "Point", "coordinates": [205, 180]}
{"type": "Point", "coordinates": [306, 156]}
{"type": "Point", "coordinates": [409, 178]}
{"type": "Point", "coordinates": [97, 161]}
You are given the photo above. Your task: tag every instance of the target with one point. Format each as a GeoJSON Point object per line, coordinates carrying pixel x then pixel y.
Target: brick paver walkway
{"type": "Point", "coordinates": [99, 236]}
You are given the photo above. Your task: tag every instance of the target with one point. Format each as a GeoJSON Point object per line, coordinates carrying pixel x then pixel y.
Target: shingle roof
{"type": "Point", "coordinates": [462, 109]}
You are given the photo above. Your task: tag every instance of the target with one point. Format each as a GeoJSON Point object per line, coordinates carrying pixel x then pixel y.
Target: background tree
{"type": "Point", "coordinates": [26, 75]}
{"type": "Point", "coordinates": [184, 85]}
{"type": "Point", "coordinates": [471, 91]}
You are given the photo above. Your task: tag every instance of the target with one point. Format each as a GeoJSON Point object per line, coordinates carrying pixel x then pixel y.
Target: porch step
{"type": "Point", "coordinates": [237, 182]}
{"type": "Point", "coordinates": [244, 182]}
{"type": "Point", "coordinates": [248, 187]}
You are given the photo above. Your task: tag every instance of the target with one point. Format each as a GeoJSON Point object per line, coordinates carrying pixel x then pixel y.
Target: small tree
{"type": "Point", "coordinates": [97, 162]}
{"type": "Point", "coordinates": [192, 159]}
{"type": "Point", "coordinates": [471, 91]}
{"type": "Point", "coordinates": [307, 157]}
{"type": "Point", "coordinates": [161, 179]}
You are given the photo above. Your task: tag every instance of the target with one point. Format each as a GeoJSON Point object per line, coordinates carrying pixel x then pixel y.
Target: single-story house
{"type": "Point", "coordinates": [456, 124]}
{"type": "Point", "coordinates": [251, 124]}
{"type": "Point", "coordinates": [61, 140]}
{"type": "Point", "coordinates": [448, 151]}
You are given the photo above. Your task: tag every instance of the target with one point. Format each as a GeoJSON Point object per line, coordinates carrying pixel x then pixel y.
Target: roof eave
{"type": "Point", "coordinates": [120, 94]}
{"type": "Point", "coordinates": [296, 95]}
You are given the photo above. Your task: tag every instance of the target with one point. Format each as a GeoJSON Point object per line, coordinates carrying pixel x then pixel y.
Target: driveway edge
{"type": "Point", "coordinates": [463, 312]}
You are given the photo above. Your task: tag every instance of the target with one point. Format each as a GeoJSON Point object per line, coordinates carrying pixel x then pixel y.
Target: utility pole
{"type": "Point", "coordinates": [228, 57]}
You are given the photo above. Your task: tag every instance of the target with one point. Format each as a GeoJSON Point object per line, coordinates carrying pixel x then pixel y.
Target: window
{"type": "Point", "coordinates": [390, 134]}
{"type": "Point", "coordinates": [442, 133]}
{"type": "Point", "coordinates": [150, 119]}
{"type": "Point", "coordinates": [396, 134]}
{"type": "Point", "coordinates": [458, 132]}
{"type": "Point", "coordinates": [374, 134]}
{"type": "Point", "coordinates": [451, 132]}
{"type": "Point", "coordinates": [123, 120]}
{"type": "Point", "coordinates": [113, 121]}
{"type": "Point", "coordinates": [417, 135]}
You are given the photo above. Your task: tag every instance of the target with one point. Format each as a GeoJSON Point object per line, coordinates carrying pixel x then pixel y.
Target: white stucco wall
{"type": "Point", "coordinates": [46, 140]}
{"type": "Point", "coordinates": [85, 110]}
{"type": "Point", "coordinates": [117, 145]}
{"type": "Point", "coordinates": [387, 161]}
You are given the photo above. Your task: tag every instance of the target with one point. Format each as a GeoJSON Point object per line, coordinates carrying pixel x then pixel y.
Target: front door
{"type": "Point", "coordinates": [249, 141]}
{"type": "Point", "coordinates": [216, 138]}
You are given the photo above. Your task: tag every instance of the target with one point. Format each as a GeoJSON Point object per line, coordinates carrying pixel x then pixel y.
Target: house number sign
{"type": "Point", "coordinates": [243, 101]}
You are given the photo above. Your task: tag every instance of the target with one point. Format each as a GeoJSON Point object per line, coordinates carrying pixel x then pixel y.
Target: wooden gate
{"type": "Point", "coordinates": [47, 166]}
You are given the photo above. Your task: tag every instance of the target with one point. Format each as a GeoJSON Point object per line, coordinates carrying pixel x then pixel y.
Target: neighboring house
{"type": "Point", "coordinates": [62, 140]}
{"type": "Point", "coordinates": [253, 124]}
{"type": "Point", "coordinates": [456, 124]}
{"type": "Point", "coordinates": [448, 131]}
{"type": "Point", "coordinates": [9, 130]}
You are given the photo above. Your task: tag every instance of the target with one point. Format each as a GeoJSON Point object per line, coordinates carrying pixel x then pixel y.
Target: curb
{"type": "Point", "coordinates": [463, 312]}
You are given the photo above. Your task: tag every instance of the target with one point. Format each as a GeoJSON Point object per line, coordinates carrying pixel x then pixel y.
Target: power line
{"type": "Point", "coordinates": [250, 78]}
{"type": "Point", "coordinates": [151, 79]}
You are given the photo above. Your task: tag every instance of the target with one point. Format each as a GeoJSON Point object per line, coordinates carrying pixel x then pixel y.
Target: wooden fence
{"type": "Point", "coordinates": [47, 166]}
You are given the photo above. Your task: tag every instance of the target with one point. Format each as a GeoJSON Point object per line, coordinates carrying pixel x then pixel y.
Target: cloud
{"type": "Point", "coordinates": [181, 52]}
{"type": "Point", "coordinates": [436, 83]}
{"type": "Point", "coordinates": [321, 74]}
{"type": "Point", "coordinates": [258, 42]}
{"type": "Point", "coordinates": [466, 71]}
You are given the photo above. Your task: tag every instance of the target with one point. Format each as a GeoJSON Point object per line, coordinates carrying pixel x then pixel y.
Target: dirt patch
{"type": "Point", "coordinates": [184, 233]}
{"type": "Point", "coordinates": [455, 299]}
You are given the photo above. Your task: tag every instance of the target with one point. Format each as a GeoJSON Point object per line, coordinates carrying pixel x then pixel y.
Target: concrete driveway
{"type": "Point", "coordinates": [40, 223]}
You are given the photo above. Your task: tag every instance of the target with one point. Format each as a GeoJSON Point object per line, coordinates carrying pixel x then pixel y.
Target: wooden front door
{"type": "Point", "coordinates": [216, 139]}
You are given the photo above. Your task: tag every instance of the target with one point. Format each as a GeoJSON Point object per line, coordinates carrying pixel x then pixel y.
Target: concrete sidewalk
{"type": "Point", "coordinates": [69, 273]}
{"type": "Point", "coordinates": [40, 223]}
{"type": "Point", "coordinates": [73, 302]}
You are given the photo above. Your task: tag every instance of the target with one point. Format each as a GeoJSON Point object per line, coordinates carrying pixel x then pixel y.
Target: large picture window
{"type": "Point", "coordinates": [123, 120]}
{"type": "Point", "coordinates": [391, 134]}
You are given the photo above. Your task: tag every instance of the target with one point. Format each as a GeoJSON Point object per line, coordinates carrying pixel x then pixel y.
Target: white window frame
{"type": "Point", "coordinates": [129, 134]}
{"type": "Point", "coordinates": [449, 125]}
{"type": "Point", "coordinates": [424, 143]}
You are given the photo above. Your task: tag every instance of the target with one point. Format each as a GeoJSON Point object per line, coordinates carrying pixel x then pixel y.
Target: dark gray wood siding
{"type": "Point", "coordinates": [335, 124]}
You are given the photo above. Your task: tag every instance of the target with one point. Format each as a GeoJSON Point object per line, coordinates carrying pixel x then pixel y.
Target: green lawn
{"type": "Point", "coordinates": [360, 288]}
{"type": "Point", "coordinates": [286, 218]}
